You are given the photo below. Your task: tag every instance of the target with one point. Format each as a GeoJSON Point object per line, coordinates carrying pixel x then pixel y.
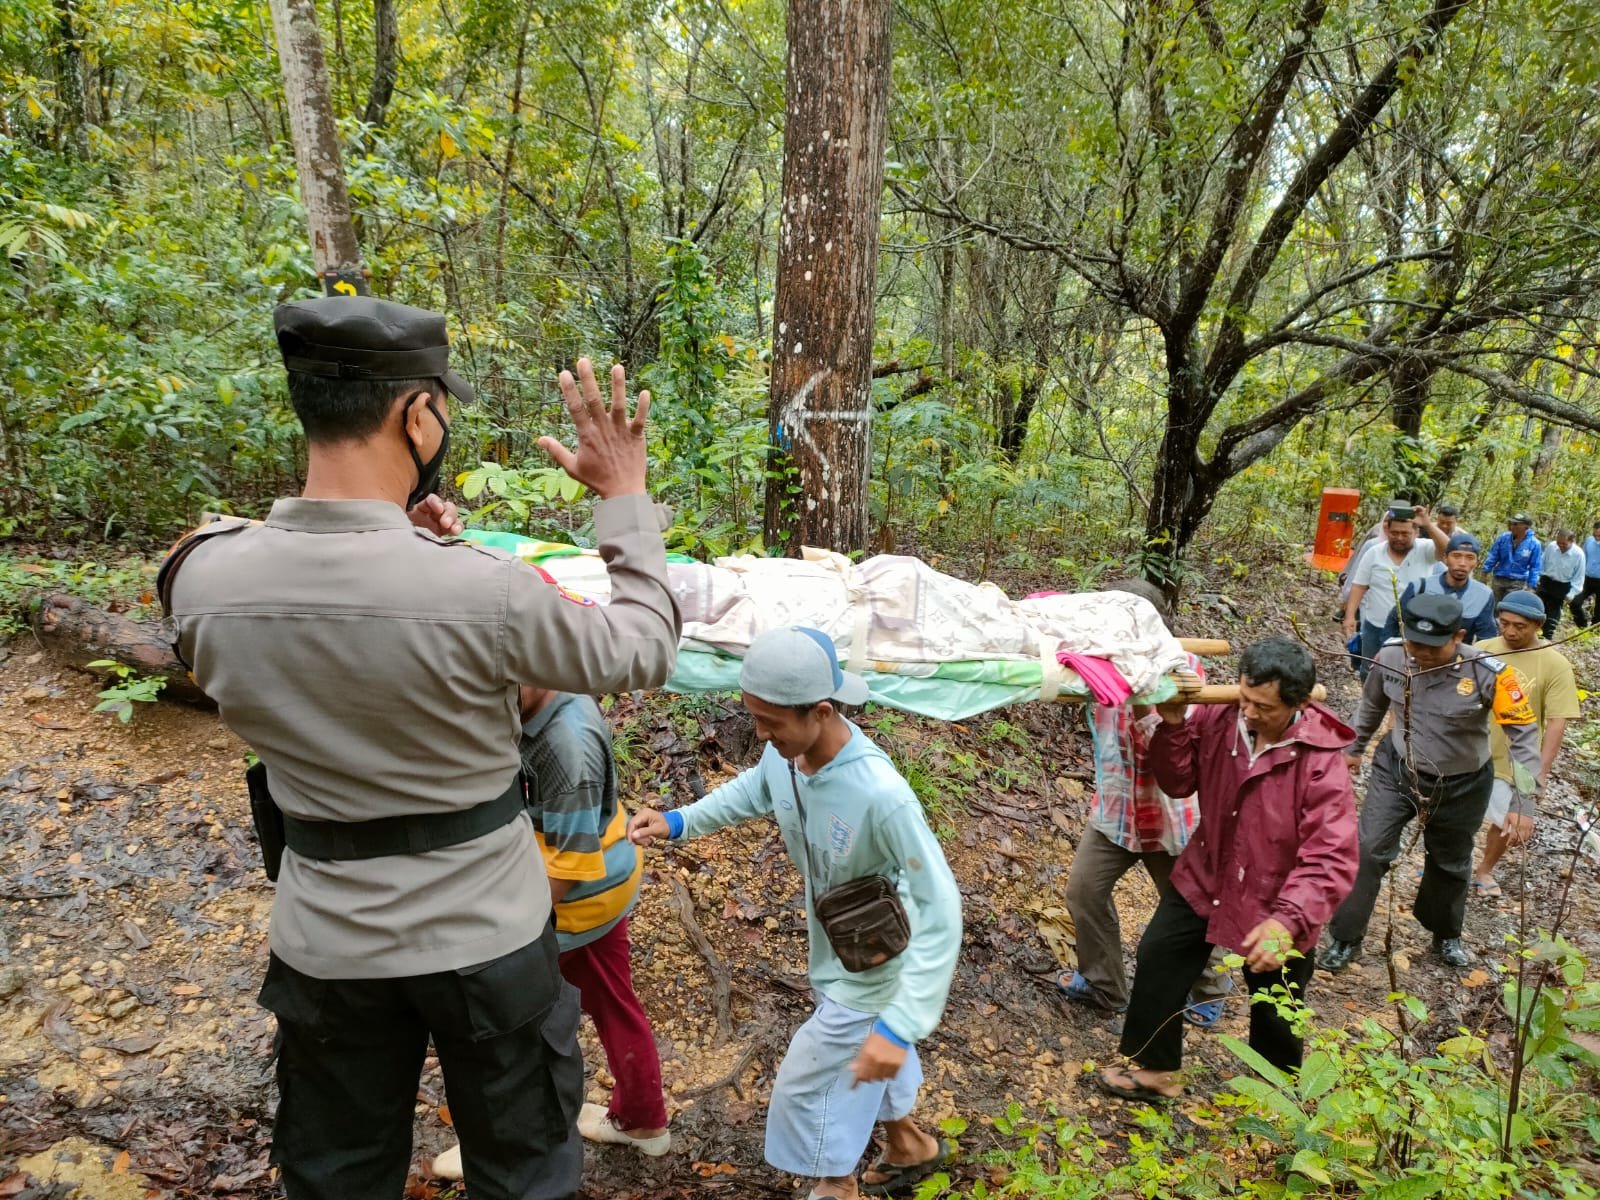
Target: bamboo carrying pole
{"type": "Point", "coordinates": [1206, 646]}
{"type": "Point", "coordinates": [1192, 690]}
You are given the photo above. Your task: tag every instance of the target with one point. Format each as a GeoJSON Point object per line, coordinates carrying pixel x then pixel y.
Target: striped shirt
{"type": "Point", "coordinates": [581, 828]}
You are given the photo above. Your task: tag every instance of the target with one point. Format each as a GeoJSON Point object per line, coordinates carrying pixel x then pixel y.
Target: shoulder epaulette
{"type": "Point", "coordinates": [184, 546]}
{"type": "Point", "coordinates": [1494, 664]}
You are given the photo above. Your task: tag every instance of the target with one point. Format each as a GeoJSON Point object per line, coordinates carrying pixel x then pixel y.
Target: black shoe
{"type": "Point", "coordinates": [1336, 955]}
{"type": "Point", "coordinates": [1452, 951]}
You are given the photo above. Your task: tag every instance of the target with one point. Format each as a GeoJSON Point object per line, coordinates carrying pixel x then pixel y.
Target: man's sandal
{"type": "Point", "coordinates": [1488, 891]}
{"type": "Point", "coordinates": [902, 1178]}
{"type": "Point", "coordinates": [1137, 1093]}
{"type": "Point", "coordinates": [1076, 988]}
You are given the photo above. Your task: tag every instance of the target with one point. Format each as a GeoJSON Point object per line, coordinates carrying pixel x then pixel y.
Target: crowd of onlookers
{"type": "Point", "coordinates": [1411, 551]}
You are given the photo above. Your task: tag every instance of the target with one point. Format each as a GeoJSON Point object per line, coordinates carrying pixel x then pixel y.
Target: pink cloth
{"type": "Point", "coordinates": [1104, 681]}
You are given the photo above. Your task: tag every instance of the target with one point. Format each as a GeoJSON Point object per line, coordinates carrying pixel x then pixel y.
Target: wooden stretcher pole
{"type": "Point", "coordinates": [1191, 689]}
{"type": "Point", "coordinates": [1206, 646]}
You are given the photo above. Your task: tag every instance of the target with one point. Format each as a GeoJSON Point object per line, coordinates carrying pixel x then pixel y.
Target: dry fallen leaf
{"type": "Point", "coordinates": [444, 1115]}
{"type": "Point", "coordinates": [1476, 978]}
{"type": "Point", "coordinates": [1401, 961]}
{"type": "Point", "coordinates": [120, 1165]}
{"type": "Point", "coordinates": [186, 989]}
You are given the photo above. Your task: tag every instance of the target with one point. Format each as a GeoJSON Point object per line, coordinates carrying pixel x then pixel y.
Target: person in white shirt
{"type": "Point", "coordinates": [1560, 578]}
{"type": "Point", "coordinates": [1385, 570]}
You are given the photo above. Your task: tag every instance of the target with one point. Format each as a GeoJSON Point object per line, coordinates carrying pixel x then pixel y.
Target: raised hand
{"type": "Point", "coordinates": [610, 458]}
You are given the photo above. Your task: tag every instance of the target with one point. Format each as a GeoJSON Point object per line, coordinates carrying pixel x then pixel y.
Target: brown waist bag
{"type": "Point", "coordinates": [863, 918]}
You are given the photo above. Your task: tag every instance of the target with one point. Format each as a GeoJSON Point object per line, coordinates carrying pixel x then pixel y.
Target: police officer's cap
{"type": "Point", "coordinates": [1431, 619]}
{"type": "Point", "coordinates": [362, 337]}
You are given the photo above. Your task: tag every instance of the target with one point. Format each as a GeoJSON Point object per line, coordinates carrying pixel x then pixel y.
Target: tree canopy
{"type": "Point", "coordinates": [1144, 268]}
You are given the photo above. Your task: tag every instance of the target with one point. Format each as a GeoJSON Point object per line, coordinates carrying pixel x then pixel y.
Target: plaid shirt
{"type": "Point", "coordinates": [1128, 807]}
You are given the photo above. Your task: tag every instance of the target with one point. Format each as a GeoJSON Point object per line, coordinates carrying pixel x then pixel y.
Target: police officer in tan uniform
{"type": "Point", "coordinates": [373, 666]}
{"type": "Point", "coordinates": [1433, 765]}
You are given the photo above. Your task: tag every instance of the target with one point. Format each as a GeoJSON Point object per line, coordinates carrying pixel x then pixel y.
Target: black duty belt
{"type": "Point", "coordinates": [416, 833]}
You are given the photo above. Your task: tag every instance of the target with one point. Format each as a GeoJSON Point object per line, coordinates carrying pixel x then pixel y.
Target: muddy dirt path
{"type": "Point", "coordinates": [133, 918]}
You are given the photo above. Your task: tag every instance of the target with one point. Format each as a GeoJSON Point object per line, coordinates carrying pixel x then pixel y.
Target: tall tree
{"type": "Point", "coordinates": [820, 412]}
{"type": "Point", "coordinates": [317, 157]}
{"type": "Point", "coordinates": [1296, 204]}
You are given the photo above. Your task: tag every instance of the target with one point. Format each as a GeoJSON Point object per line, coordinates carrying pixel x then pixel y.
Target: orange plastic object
{"type": "Point", "coordinates": [1336, 529]}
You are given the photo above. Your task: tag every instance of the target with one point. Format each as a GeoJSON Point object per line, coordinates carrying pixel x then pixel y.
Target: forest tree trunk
{"type": "Point", "coordinates": [316, 148]}
{"type": "Point", "coordinates": [385, 62]}
{"type": "Point", "coordinates": [820, 414]}
{"type": "Point", "coordinates": [72, 125]}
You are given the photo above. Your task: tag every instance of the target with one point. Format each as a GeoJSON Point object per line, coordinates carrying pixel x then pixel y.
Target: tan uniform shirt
{"type": "Point", "coordinates": [373, 668]}
{"type": "Point", "coordinates": [1446, 722]}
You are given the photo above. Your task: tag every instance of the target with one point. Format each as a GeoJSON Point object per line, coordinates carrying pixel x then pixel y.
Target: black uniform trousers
{"type": "Point", "coordinates": [1585, 606]}
{"type": "Point", "coordinates": [1452, 807]}
{"type": "Point", "coordinates": [1554, 594]}
{"type": "Point", "coordinates": [1172, 954]}
{"type": "Point", "coordinates": [350, 1054]}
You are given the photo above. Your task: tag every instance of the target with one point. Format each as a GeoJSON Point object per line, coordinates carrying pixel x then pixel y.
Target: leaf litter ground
{"type": "Point", "coordinates": [133, 915]}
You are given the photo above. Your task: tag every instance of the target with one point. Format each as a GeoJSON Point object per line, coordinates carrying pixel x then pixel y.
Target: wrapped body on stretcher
{"type": "Point", "coordinates": [925, 641]}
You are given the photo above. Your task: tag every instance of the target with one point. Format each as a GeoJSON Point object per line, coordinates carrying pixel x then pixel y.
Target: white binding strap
{"type": "Point", "coordinates": [1051, 674]}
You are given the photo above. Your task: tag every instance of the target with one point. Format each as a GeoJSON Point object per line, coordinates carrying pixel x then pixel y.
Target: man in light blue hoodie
{"type": "Point", "coordinates": [844, 813]}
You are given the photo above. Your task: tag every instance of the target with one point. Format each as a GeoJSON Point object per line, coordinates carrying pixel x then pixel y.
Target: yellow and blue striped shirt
{"type": "Point", "coordinates": [579, 824]}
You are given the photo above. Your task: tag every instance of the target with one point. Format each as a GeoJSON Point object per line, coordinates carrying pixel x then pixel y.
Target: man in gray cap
{"type": "Point", "coordinates": [1552, 689]}
{"type": "Point", "coordinates": [845, 814]}
{"type": "Point", "coordinates": [1434, 765]}
{"type": "Point", "coordinates": [373, 666]}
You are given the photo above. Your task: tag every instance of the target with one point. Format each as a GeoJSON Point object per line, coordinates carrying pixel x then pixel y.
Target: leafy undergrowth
{"type": "Point", "coordinates": [134, 937]}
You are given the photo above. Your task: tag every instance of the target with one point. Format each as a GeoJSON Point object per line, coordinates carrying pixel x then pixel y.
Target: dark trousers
{"type": "Point", "coordinates": [1554, 594]}
{"type": "Point", "coordinates": [350, 1054]}
{"type": "Point", "coordinates": [1451, 807]}
{"type": "Point", "coordinates": [1096, 867]}
{"type": "Point", "coordinates": [1585, 605]}
{"type": "Point", "coordinates": [1172, 954]}
{"type": "Point", "coordinates": [603, 974]}
{"type": "Point", "coordinates": [1501, 587]}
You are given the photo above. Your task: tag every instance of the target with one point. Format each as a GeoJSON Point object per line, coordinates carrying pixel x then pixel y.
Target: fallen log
{"type": "Point", "coordinates": [78, 633]}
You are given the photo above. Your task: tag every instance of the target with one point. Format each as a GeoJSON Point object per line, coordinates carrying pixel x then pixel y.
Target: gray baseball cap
{"type": "Point", "coordinates": [798, 665]}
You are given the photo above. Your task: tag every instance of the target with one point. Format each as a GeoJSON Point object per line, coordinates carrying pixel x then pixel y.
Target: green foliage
{"type": "Point", "coordinates": [123, 584]}
{"type": "Point", "coordinates": [131, 689]}
{"type": "Point", "coordinates": [1366, 1114]}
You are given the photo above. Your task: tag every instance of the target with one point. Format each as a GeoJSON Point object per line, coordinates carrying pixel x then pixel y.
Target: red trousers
{"type": "Point", "coordinates": [604, 978]}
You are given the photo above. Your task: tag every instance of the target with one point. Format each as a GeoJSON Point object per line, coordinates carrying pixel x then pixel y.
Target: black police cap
{"type": "Point", "coordinates": [362, 337]}
{"type": "Point", "coordinates": [1431, 619]}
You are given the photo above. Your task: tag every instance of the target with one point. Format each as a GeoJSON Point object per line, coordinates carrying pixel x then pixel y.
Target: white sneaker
{"type": "Point", "coordinates": [594, 1123]}
{"type": "Point", "coordinates": [448, 1164]}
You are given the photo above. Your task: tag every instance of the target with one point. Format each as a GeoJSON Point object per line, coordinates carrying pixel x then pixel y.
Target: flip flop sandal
{"type": "Point", "coordinates": [903, 1178]}
{"type": "Point", "coordinates": [1204, 1014]}
{"type": "Point", "coordinates": [1077, 989]}
{"type": "Point", "coordinates": [1489, 891]}
{"type": "Point", "coordinates": [1139, 1093]}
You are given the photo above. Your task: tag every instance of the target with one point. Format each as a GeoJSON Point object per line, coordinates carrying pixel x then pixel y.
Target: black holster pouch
{"type": "Point", "coordinates": [267, 817]}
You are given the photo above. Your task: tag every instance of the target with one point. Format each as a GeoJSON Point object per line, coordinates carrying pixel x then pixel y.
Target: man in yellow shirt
{"type": "Point", "coordinates": [1552, 691]}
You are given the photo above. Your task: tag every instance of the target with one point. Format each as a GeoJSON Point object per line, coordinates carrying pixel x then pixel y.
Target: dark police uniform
{"type": "Point", "coordinates": [373, 667]}
{"type": "Point", "coordinates": [1434, 763]}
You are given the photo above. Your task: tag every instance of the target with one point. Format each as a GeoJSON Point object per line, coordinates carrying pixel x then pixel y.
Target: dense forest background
{"type": "Point", "coordinates": [1149, 272]}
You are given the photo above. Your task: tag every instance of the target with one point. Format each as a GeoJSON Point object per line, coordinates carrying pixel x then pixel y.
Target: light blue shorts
{"type": "Point", "coordinates": [818, 1124]}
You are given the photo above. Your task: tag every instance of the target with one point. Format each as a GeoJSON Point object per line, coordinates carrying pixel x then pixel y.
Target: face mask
{"type": "Point", "coordinates": [428, 472]}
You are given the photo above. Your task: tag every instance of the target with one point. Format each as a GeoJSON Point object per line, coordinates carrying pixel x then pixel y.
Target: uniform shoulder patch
{"type": "Point", "coordinates": [1494, 664]}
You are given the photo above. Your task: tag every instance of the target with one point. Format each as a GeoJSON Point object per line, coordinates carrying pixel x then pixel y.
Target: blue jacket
{"type": "Point", "coordinates": [1477, 605]}
{"type": "Point", "coordinates": [1591, 555]}
{"type": "Point", "coordinates": [1522, 563]}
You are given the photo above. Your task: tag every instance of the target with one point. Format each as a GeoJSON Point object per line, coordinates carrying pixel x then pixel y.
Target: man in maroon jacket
{"type": "Point", "coordinates": [1274, 854]}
